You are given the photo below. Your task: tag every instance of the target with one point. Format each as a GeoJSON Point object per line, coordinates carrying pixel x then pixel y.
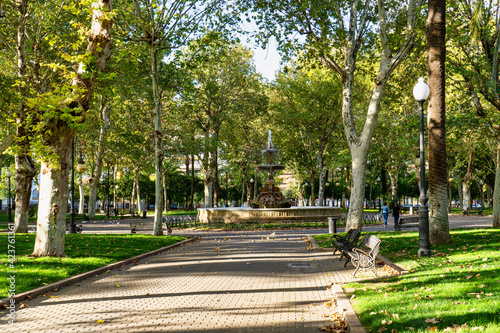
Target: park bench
{"type": "Point", "coordinates": [364, 257]}
{"type": "Point", "coordinates": [407, 222]}
{"type": "Point", "coordinates": [468, 211]}
{"type": "Point", "coordinates": [343, 244]}
{"type": "Point", "coordinates": [148, 226]}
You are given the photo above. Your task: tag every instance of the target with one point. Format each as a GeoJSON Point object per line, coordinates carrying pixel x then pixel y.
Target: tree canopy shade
{"type": "Point", "coordinates": [337, 34]}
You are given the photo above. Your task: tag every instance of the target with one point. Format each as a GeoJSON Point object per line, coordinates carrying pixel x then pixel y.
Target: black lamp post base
{"type": "Point", "coordinates": [423, 252]}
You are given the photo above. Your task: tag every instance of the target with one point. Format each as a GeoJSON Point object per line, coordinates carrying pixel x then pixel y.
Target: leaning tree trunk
{"type": "Point", "coordinates": [138, 191]}
{"type": "Point", "coordinates": [439, 231]}
{"type": "Point", "coordinates": [58, 137]}
{"type": "Point", "coordinates": [105, 115]}
{"type": "Point", "coordinates": [496, 192]}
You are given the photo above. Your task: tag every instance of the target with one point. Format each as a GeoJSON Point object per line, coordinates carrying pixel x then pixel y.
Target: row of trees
{"type": "Point", "coordinates": [179, 86]}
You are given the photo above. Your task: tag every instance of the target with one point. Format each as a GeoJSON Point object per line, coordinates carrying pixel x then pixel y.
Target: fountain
{"type": "Point", "coordinates": [270, 195]}
{"type": "Point", "coordinates": [270, 205]}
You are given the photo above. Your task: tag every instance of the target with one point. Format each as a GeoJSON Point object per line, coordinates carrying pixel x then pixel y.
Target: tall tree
{"type": "Point", "coordinates": [337, 34]}
{"type": "Point", "coordinates": [439, 232]}
{"type": "Point", "coordinates": [58, 135]}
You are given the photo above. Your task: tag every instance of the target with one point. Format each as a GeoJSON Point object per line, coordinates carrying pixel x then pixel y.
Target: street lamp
{"type": "Point", "coordinates": [107, 197]}
{"type": "Point", "coordinates": [379, 204]}
{"type": "Point", "coordinates": [9, 211]}
{"type": "Point", "coordinates": [254, 187]}
{"type": "Point", "coordinates": [338, 184]}
{"type": "Point", "coordinates": [421, 93]}
{"type": "Point", "coordinates": [81, 167]}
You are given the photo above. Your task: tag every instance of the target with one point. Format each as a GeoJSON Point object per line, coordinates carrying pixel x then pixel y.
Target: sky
{"type": "Point", "coordinates": [267, 61]}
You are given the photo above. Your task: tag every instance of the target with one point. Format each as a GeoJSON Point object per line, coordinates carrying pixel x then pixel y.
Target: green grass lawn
{"type": "Point", "coordinates": [84, 252]}
{"type": "Point", "coordinates": [457, 288]}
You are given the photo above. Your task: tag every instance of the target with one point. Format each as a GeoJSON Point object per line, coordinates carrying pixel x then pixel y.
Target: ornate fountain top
{"type": "Point", "coordinates": [269, 142]}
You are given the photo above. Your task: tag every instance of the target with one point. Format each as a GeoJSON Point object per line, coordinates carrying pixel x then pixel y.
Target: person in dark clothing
{"type": "Point", "coordinates": [395, 213]}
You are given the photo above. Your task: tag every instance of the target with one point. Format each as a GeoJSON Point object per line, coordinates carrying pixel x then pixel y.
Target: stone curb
{"type": "Point", "coordinates": [345, 308]}
{"type": "Point", "coordinates": [77, 278]}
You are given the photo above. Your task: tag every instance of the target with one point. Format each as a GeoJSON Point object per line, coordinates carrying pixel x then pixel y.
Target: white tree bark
{"type": "Point", "coordinates": [138, 191]}
{"type": "Point", "coordinates": [105, 115]}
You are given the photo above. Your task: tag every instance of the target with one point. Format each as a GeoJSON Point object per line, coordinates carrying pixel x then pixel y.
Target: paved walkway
{"type": "Point", "coordinates": [238, 282]}
{"type": "Point", "coordinates": [229, 282]}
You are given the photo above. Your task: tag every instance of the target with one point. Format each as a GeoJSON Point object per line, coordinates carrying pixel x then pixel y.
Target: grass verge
{"type": "Point", "coordinates": [84, 252]}
{"type": "Point", "coordinates": [455, 290]}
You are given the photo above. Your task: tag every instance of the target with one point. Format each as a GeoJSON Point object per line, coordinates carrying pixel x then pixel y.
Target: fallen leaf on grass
{"type": "Point", "coordinates": [372, 313]}
{"type": "Point", "coordinates": [432, 321]}
{"type": "Point", "coordinates": [479, 328]}
{"type": "Point", "coordinates": [469, 277]}
{"type": "Point", "coordinates": [382, 329]}
{"type": "Point", "coordinates": [433, 329]}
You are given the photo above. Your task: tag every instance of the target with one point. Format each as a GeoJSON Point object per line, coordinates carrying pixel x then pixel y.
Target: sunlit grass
{"type": "Point", "coordinates": [84, 252]}
{"type": "Point", "coordinates": [459, 285]}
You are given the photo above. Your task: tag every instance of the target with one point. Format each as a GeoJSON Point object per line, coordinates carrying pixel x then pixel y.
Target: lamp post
{"type": "Point", "coordinates": [81, 167]}
{"type": "Point", "coordinates": [338, 184]}
{"type": "Point", "coordinates": [107, 197]}
{"type": "Point", "coordinates": [254, 183]}
{"type": "Point", "coordinates": [421, 93]}
{"type": "Point", "coordinates": [379, 204]}
{"type": "Point", "coordinates": [9, 211]}
{"type": "Point", "coordinates": [305, 186]}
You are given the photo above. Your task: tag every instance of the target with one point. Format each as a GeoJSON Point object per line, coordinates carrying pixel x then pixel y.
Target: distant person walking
{"type": "Point", "coordinates": [385, 214]}
{"type": "Point", "coordinates": [395, 213]}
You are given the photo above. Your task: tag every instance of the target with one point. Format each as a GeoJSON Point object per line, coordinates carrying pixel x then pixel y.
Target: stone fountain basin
{"type": "Point", "coordinates": [267, 215]}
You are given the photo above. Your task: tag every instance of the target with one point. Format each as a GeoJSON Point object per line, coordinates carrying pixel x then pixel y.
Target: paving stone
{"type": "Point", "coordinates": [253, 284]}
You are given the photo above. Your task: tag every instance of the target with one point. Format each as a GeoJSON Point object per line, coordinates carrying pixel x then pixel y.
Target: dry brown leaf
{"type": "Point", "coordinates": [469, 277]}
{"type": "Point", "coordinates": [432, 321]}
{"type": "Point", "coordinates": [382, 329]}
{"type": "Point", "coordinates": [433, 329]}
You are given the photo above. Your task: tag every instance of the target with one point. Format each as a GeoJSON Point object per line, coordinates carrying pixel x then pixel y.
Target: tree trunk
{"type": "Point", "coordinates": [191, 200]}
{"type": "Point", "coordinates": [393, 175]}
{"type": "Point", "coordinates": [25, 168]}
{"type": "Point", "coordinates": [53, 200]}
{"type": "Point", "coordinates": [358, 180]}
{"type": "Point", "coordinates": [105, 116]}
{"type": "Point", "coordinates": [439, 232]}
{"type": "Point", "coordinates": [460, 194]}
{"type": "Point", "coordinates": [312, 197]}
{"type": "Point", "coordinates": [138, 191]}
{"type": "Point", "coordinates": [158, 135]}
{"type": "Point", "coordinates": [321, 193]}
{"type": "Point", "coordinates": [467, 181]}
{"type": "Point", "coordinates": [132, 199]}
{"type": "Point", "coordinates": [208, 178]}
{"type": "Point", "coordinates": [165, 202]}
{"type": "Point", "coordinates": [496, 192]}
